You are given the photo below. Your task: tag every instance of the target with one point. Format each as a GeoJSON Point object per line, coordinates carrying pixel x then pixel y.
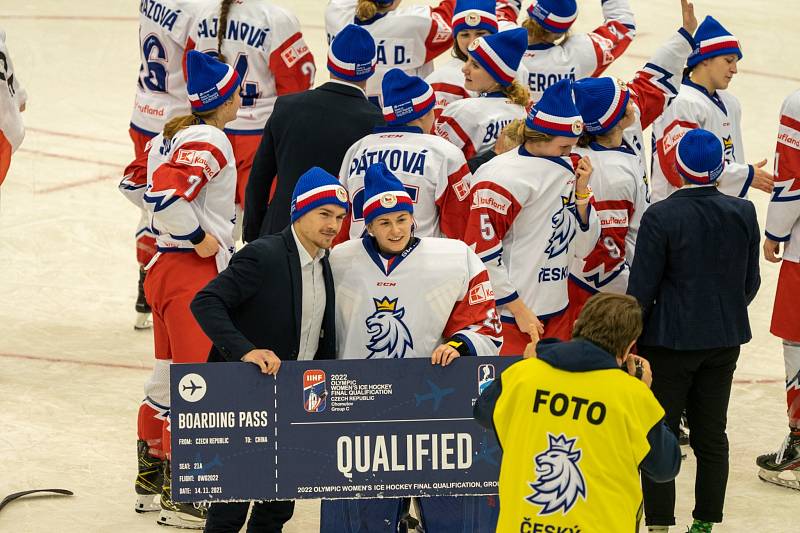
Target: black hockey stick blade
{"type": "Point", "coordinates": [11, 497]}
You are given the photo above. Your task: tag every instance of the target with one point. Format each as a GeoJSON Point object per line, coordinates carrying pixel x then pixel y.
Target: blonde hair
{"type": "Point", "coordinates": [527, 134]}
{"type": "Point", "coordinates": [366, 9]}
{"type": "Point", "coordinates": [538, 34]}
{"type": "Point", "coordinates": [517, 93]}
{"type": "Point", "coordinates": [176, 124]}
{"type": "Point", "coordinates": [514, 132]}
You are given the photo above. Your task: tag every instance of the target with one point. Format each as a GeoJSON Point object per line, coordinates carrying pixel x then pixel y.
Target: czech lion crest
{"type": "Point", "coordinates": [559, 480]}
{"type": "Point", "coordinates": [563, 229]}
{"type": "Point", "coordinates": [389, 336]}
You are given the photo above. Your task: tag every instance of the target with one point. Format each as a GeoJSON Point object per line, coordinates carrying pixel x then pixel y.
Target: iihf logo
{"type": "Point", "coordinates": [559, 481]}
{"type": "Point", "coordinates": [314, 391]}
{"type": "Point", "coordinates": [389, 336]}
{"type": "Point", "coordinates": [485, 377]}
{"type": "Point", "coordinates": [563, 229]}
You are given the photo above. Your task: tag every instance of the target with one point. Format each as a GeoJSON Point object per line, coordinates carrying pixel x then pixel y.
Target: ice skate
{"type": "Point", "coordinates": [181, 515]}
{"type": "Point", "coordinates": [142, 307]}
{"type": "Point", "coordinates": [148, 481]}
{"type": "Point", "coordinates": [783, 467]}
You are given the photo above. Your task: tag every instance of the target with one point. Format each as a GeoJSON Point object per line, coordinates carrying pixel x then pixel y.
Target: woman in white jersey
{"type": "Point", "coordinates": [265, 46]}
{"type": "Point", "coordinates": [434, 172]}
{"type": "Point", "coordinates": [164, 28]}
{"type": "Point", "coordinates": [473, 124]}
{"type": "Point", "coordinates": [530, 214]}
{"type": "Point", "coordinates": [703, 102]}
{"type": "Point", "coordinates": [379, 315]}
{"type": "Point", "coordinates": [615, 115]}
{"type": "Point", "coordinates": [186, 180]}
{"type": "Point", "coordinates": [553, 54]}
{"type": "Point", "coordinates": [408, 38]}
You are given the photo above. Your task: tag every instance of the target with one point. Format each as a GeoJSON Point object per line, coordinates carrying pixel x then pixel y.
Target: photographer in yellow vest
{"type": "Point", "coordinates": [576, 423]}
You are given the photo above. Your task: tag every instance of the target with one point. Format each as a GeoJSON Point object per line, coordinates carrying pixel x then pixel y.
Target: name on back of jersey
{"type": "Point", "coordinates": [407, 161]}
{"type": "Point", "coordinates": [158, 13]}
{"type": "Point", "coordinates": [236, 31]}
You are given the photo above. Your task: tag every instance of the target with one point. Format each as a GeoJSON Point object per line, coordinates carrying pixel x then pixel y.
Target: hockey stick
{"type": "Point", "coordinates": [11, 497]}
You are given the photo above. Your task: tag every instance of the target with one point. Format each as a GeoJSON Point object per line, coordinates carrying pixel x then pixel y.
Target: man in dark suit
{"type": "Point", "coordinates": [275, 301]}
{"type": "Point", "coordinates": [312, 128]}
{"type": "Point", "coordinates": [694, 273]}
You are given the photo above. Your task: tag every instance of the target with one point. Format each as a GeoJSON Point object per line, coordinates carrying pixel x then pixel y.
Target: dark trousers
{"type": "Point", "coordinates": [700, 382]}
{"type": "Point", "coordinates": [267, 517]}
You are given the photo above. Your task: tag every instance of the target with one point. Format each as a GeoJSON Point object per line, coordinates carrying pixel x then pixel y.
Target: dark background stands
{"type": "Point", "coordinates": [312, 128]}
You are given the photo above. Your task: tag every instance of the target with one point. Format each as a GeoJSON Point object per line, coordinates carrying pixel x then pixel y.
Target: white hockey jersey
{"type": "Point", "coordinates": [263, 42]}
{"type": "Point", "coordinates": [433, 171]}
{"type": "Point", "coordinates": [12, 97]}
{"type": "Point", "coordinates": [783, 215]}
{"type": "Point", "coordinates": [164, 27]}
{"type": "Point", "coordinates": [473, 124]}
{"type": "Point", "coordinates": [408, 38]}
{"type": "Point", "coordinates": [523, 224]}
{"type": "Point", "coordinates": [408, 305]}
{"type": "Point", "coordinates": [187, 185]}
{"type": "Point", "coordinates": [619, 178]}
{"type": "Point", "coordinates": [720, 114]}
{"type": "Point", "coordinates": [581, 56]}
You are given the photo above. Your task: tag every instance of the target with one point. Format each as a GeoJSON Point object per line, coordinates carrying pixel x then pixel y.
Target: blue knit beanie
{"type": "Point", "coordinates": [384, 193]}
{"type": "Point", "coordinates": [501, 53]}
{"type": "Point", "coordinates": [699, 157]}
{"type": "Point", "coordinates": [209, 82]}
{"type": "Point", "coordinates": [474, 15]}
{"type": "Point", "coordinates": [351, 55]}
{"type": "Point", "coordinates": [601, 102]}
{"type": "Point", "coordinates": [316, 188]}
{"type": "Point", "coordinates": [556, 113]}
{"type": "Point", "coordinates": [405, 98]}
{"type": "Point", "coordinates": [555, 16]}
{"type": "Point", "coordinates": [710, 40]}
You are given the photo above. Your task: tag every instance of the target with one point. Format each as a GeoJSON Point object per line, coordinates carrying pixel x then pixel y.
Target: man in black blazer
{"type": "Point", "coordinates": [312, 128]}
{"type": "Point", "coordinates": [694, 273]}
{"type": "Point", "coordinates": [275, 301]}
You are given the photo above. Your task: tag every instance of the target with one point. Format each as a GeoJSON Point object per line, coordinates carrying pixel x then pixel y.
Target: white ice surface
{"type": "Point", "coordinates": [71, 366]}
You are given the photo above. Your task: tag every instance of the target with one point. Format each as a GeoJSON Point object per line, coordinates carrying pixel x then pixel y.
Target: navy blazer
{"type": "Point", "coordinates": [695, 270]}
{"type": "Point", "coordinates": [311, 128]}
{"type": "Point", "coordinates": [257, 302]}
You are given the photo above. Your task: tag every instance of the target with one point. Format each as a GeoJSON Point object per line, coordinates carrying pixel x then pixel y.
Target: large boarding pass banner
{"type": "Point", "coordinates": [332, 429]}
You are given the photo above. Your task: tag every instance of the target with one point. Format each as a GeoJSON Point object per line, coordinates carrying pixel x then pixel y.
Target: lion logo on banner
{"type": "Point", "coordinates": [559, 481]}
{"type": "Point", "coordinates": [389, 336]}
{"type": "Point", "coordinates": [563, 229]}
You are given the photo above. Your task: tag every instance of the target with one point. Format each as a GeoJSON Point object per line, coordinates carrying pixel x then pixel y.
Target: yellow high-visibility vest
{"type": "Point", "coordinates": [572, 443]}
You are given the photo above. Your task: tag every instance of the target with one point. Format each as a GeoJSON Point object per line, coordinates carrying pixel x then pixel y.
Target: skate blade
{"type": "Point", "coordinates": [147, 503]}
{"type": "Point", "coordinates": [785, 478]}
{"type": "Point", "coordinates": [180, 520]}
{"type": "Point", "coordinates": [143, 321]}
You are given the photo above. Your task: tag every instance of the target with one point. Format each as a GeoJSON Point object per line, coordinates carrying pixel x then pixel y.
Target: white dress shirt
{"type": "Point", "coordinates": [313, 300]}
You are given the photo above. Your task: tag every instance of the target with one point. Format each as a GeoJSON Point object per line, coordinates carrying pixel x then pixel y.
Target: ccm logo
{"type": "Point", "coordinates": [386, 284]}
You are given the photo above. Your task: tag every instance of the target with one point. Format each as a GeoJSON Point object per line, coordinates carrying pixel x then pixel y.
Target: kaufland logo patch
{"type": "Point", "coordinates": [480, 293]}
{"type": "Point", "coordinates": [186, 156]}
{"type": "Point", "coordinates": [485, 198]}
{"type": "Point", "coordinates": [315, 392]}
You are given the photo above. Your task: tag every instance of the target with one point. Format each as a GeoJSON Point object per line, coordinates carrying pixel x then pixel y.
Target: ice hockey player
{"type": "Point", "coordinates": [553, 54]}
{"type": "Point", "coordinates": [408, 38]}
{"type": "Point", "coordinates": [187, 180]}
{"type": "Point", "coordinates": [615, 115]}
{"type": "Point", "coordinates": [783, 226]}
{"type": "Point", "coordinates": [473, 124]}
{"type": "Point", "coordinates": [530, 213]}
{"type": "Point", "coordinates": [703, 102]}
{"type": "Point", "coordinates": [433, 171]}
{"type": "Point", "coordinates": [378, 312]}
{"type": "Point", "coordinates": [12, 104]}
{"type": "Point", "coordinates": [160, 96]}
{"type": "Point", "coordinates": [265, 46]}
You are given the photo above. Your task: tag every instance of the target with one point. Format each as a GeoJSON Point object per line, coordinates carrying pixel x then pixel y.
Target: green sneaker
{"type": "Point", "coordinates": [698, 526]}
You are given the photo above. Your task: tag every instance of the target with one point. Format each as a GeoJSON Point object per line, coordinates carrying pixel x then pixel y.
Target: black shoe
{"type": "Point", "coordinates": [783, 467]}
{"type": "Point", "coordinates": [148, 481]}
{"type": "Point", "coordinates": [182, 515]}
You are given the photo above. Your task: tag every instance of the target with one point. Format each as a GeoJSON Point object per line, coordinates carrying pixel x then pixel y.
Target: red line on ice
{"type": "Point", "coordinates": [76, 136]}
{"type": "Point", "coordinates": [74, 361]}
